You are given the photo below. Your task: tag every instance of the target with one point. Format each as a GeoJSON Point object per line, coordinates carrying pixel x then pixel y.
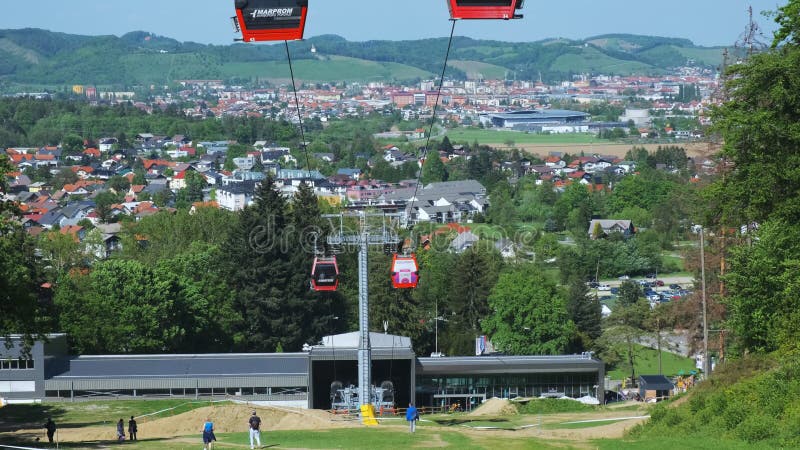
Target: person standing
{"type": "Point", "coordinates": [120, 430]}
{"type": "Point", "coordinates": [412, 415]}
{"type": "Point", "coordinates": [208, 434]}
{"type": "Point", "coordinates": [255, 430]}
{"type": "Point", "coordinates": [50, 426]}
{"type": "Point", "coordinates": [132, 429]}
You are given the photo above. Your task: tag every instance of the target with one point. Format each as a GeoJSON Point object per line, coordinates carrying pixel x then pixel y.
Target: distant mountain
{"type": "Point", "coordinates": [40, 57]}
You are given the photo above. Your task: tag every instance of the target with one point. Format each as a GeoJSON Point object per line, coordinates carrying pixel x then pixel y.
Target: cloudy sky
{"type": "Point", "coordinates": [706, 22]}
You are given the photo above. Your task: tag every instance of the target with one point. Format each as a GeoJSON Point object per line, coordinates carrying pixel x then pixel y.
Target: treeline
{"type": "Point", "coordinates": [34, 123]}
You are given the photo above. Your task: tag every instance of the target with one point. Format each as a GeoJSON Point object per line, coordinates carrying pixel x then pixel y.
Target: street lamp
{"type": "Point", "coordinates": [706, 360]}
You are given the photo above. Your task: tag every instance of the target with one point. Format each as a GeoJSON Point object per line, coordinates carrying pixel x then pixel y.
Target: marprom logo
{"type": "Point", "coordinates": [271, 12]}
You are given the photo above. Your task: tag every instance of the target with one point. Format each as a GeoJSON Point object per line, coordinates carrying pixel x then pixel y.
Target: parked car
{"type": "Point", "coordinates": [674, 287]}
{"type": "Point", "coordinates": [625, 277]}
{"type": "Point", "coordinates": [603, 287]}
{"type": "Point", "coordinates": [614, 291]}
{"type": "Point", "coordinates": [659, 283]}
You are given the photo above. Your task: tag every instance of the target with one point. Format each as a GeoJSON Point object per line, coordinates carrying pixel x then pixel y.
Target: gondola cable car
{"type": "Point", "coordinates": [324, 274]}
{"type": "Point", "coordinates": [485, 9]}
{"type": "Point", "coordinates": [405, 271]}
{"type": "Point", "coordinates": [270, 20]}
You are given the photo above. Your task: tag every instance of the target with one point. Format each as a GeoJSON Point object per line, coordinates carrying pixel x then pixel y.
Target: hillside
{"type": "Point", "coordinates": [40, 57]}
{"type": "Point", "coordinates": [751, 402]}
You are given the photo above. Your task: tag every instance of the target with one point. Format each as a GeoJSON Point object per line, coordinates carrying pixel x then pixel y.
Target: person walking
{"type": "Point", "coordinates": [208, 434]}
{"type": "Point", "coordinates": [412, 415]}
{"type": "Point", "coordinates": [255, 430]}
{"type": "Point", "coordinates": [132, 429]}
{"type": "Point", "coordinates": [50, 426]}
{"type": "Point", "coordinates": [120, 430]}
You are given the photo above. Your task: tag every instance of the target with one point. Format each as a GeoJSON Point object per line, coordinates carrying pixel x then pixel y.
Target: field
{"type": "Point", "coordinates": [573, 143]}
{"type": "Point", "coordinates": [646, 363]}
{"type": "Point", "coordinates": [90, 425]}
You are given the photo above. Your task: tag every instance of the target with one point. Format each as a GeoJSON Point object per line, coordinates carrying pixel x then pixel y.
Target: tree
{"type": "Point", "coordinates": [585, 311]}
{"type": "Point", "coordinates": [574, 208]}
{"type": "Point", "coordinates": [258, 270]}
{"type": "Point", "coordinates": [475, 273]}
{"type": "Point", "coordinates": [528, 314]}
{"type": "Point", "coordinates": [625, 327]}
{"type": "Point", "coordinates": [62, 251]}
{"type": "Point", "coordinates": [502, 211]}
{"type": "Point", "coordinates": [103, 202]}
{"type": "Point", "coordinates": [64, 176]}
{"type": "Point", "coordinates": [119, 184]}
{"type": "Point", "coordinates": [20, 312]}
{"type": "Point", "coordinates": [433, 170]}
{"type": "Point", "coordinates": [72, 144]}
{"type": "Point", "coordinates": [758, 125]}
{"type": "Point", "coordinates": [141, 319]}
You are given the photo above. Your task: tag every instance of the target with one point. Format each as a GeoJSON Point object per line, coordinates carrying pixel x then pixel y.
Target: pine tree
{"type": "Point", "coordinates": [255, 256]}
{"type": "Point", "coordinates": [584, 310]}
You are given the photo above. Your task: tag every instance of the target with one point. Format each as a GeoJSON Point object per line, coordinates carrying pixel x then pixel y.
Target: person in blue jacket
{"type": "Point", "coordinates": [412, 416]}
{"type": "Point", "coordinates": [208, 434]}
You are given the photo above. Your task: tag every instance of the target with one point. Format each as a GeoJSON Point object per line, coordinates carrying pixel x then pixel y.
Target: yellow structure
{"type": "Point", "coordinates": [77, 89]}
{"type": "Point", "coordinates": [368, 415]}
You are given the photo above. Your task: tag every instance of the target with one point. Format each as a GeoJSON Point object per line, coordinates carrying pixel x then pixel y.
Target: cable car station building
{"type": "Point", "coordinates": [302, 379]}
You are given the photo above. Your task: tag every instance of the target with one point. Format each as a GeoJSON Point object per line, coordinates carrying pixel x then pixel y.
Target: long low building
{"type": "Point", "coordinates": [534, 119]}
{"type": "Point", "coordinates": [305, 379]}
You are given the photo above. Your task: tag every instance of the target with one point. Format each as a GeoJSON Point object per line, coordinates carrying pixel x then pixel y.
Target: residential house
{"type": "Point", "coordinates": [464, 241]}
{"type": "Point", "coordinates": [506, 247]}
{"type": "Point", "coordinates": [354, 174]}
{"type": "Point", "coordinates": [236, 196]}
{"type": "Point", "coordinates": [603, 227]}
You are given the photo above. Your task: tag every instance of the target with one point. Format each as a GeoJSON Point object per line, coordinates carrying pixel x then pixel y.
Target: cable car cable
{"type": "Point", "coordinates": [297, 105]}
{"type": "Point", "coordinates": [433, 117]}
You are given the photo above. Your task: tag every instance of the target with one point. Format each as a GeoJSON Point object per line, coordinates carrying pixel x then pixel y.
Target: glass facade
{"type": "Point", "coordinates": [442, 390]}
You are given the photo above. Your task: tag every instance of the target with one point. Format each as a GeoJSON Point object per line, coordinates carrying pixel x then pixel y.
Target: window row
{"type": "Point", "coordinates": [13, 364]}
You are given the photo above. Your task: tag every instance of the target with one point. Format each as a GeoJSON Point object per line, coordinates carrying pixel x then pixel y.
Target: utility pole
{"type": "Point", "coordinates": [706, 360]}
{"type": "Point", "coordinates": [362, 239]}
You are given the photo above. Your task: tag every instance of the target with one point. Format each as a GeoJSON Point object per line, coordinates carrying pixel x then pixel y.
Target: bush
{"type": "Point", "coordinates": [756, 428]}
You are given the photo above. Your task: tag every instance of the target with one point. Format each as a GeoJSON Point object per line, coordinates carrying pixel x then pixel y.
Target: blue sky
{"type": "Point", "coordinates": [706, 22]}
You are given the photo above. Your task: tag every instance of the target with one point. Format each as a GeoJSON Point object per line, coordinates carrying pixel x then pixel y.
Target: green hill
{"type": "Point", "coordinates": [40, 57]}
{"type": "Point", "coordinates": [755, 402]}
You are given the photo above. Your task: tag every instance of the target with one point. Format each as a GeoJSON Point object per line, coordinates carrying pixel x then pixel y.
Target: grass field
{"type": "Point", "coordinates": [493, 136]}
{"type": "Point", "coordinates": [476, 69]}
{"type": "Point", "coordinates": [646, 362]}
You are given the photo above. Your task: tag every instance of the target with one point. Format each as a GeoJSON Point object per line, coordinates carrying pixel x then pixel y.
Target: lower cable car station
{"type": "Point", "coordinates": [324, 376]}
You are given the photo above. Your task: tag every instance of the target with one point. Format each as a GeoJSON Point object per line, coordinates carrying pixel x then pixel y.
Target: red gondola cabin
{"type": "Point", "coordinates": [324, 274]}
{"type": "Point", "coordinates": [405, 272]}
{"type": "Point", "coordinates": [271, 20]}
{"type": "Point", "coordinates": [485, 9]}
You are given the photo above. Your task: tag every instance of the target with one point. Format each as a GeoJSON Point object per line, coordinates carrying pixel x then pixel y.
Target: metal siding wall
{"type": "Point", "coordinates": [176, 383]}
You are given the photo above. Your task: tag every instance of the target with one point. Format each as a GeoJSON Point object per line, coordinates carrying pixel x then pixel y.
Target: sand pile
{"type": "Point", "coordinates": [494, 407]}
{"type": "Point", "coordinates": [227, 418]}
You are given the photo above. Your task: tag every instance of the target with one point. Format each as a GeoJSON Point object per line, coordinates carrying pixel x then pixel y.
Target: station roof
{"type": "Point", "coordinates": [196, 366]}
{"type": "Point", "coordinates": [345, 347]}
{"type": "Point", "coordinates": [498, 364]}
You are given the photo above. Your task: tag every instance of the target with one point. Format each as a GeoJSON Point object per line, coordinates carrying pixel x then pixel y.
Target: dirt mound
{"type": "Point", "coordinates": [227, 418]}
{"type": "Point", "coordinates": [494, 407]}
